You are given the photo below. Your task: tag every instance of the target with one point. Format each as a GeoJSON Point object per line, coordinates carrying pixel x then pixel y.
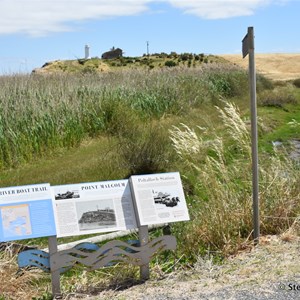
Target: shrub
{"type": "Point", "coordinates": [296, 82]}
{"type": "Point", "coordinates": [170, 63]}
{"type": "Point", "coordinates": [145, 149]}
{"type": "Point", "coordinates": [276, 98]}
{"type": "Point", "coordinates": [184, 56]}
{"type": "Point", "coordinates": [89, 69]}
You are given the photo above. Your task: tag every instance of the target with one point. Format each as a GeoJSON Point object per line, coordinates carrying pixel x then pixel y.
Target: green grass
{"type": "Point", "coordinates": [279, 125]}
{"type": "Point", "coordinates": [94, 160]}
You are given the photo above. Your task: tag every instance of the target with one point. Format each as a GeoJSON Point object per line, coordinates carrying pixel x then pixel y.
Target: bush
{"type": "Point", "coordinates": [276, 98]}
{"type": "Point", "coordinates": [296, 83]}
{"type": "Point", "coordinates": [263, 83]}
{"type": "Point", "coordinates": [145, 149]}
{"type": "Point", "coordinates": [89, 70]}
{"type": "Point", "coordinates": [170, 63]}
{"type": "Point", "coordinates": [184, 56]}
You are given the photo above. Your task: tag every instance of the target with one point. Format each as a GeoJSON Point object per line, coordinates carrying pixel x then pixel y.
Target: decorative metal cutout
{"type": "Point", "coordinates": [110, 253]}
{"type": "Point", "coordinates": [34, 258]}
{"type": "Point", "coordinates": [94, 257]}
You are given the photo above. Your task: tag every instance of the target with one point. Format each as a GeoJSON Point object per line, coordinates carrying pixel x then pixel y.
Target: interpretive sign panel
{"type": "Point", "coordinates": [26, 212]}
{"type": "Point", "coordinates": [93, 208]}
{"type": "Point", "coordinates": [159, 198]}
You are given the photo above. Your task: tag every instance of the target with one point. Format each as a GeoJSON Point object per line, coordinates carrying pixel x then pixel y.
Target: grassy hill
{"type": "Point", "coordinates": [276, 66]}
{"type": "Point", "coordinates": [158, 60]}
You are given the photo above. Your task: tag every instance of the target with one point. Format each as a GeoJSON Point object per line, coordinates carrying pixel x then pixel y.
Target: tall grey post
{"type": "Point", "coordinates": [248, 48]}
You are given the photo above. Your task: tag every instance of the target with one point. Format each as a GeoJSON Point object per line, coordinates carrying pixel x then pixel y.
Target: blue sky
{"type": "Point", "coordinates": [33, 32]}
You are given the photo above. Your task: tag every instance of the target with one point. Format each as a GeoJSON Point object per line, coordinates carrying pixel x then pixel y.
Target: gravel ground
{"type": "Point", "coordinates": [268, 271]}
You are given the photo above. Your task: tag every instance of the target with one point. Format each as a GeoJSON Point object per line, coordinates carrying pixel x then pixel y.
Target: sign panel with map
{"type": "Point", "coordinates": [26, 212]}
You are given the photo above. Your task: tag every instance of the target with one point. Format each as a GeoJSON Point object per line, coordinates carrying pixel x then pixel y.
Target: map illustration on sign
{"type": "Point", "coordinates": [16, 220]}
{"type": "Point", "coordinates": [26, 212]}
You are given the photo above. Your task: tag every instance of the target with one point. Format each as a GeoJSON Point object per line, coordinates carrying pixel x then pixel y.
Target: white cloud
{"type": "Point", "coordinates": [41, 17]}
{"type": "Point", "coordinates": [220, 9]}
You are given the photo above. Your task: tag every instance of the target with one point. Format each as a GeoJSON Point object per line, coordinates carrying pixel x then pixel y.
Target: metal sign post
{"type": "Point", "coordinates": [248, 48]}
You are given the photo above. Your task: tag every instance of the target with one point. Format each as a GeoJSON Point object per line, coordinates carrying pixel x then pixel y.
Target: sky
{"type": "Point", "coordinates": [33, 32]}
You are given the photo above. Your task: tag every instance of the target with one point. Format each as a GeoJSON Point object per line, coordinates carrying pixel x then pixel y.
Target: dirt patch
{"type": "Point", "coordinates": [274, 66]}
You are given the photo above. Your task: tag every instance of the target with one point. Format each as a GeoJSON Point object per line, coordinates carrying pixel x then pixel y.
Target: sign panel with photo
{"type": "Point", "coordinates": [96, 207]}
{"type": "Point", "coordinates": [159, 198]}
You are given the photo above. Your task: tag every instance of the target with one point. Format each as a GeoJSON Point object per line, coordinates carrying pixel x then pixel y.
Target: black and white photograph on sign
{"type": "Point", "coordinates": [159, 198]}
{"type": "Point", "coordinates": [165, 198]}
{"type": "Point", "coordinates": [88, 208]}
{"type": "Point", "coordinates": [96, 214]}
{"type": "Point", "coordinates": [68, 194]}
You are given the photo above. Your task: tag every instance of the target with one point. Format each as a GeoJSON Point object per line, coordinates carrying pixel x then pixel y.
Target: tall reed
{"type": "Point", "coordinates": [221, 200]}
{"type": "Point", "coordinates": [41, 113]}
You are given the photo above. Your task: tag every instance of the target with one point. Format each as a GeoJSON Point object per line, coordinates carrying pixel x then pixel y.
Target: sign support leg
{"type": "Point", "coordinates": [55, 275]}
{"type": "Point", "coordinates": [144, 239]}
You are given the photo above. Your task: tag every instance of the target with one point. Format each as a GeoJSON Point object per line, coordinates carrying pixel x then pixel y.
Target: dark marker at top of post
{"type": "Point", "coordinates": [248, 42]}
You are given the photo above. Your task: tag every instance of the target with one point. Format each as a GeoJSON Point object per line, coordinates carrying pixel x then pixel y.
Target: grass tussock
{"type": "Point", "coordinates": [145, 149]}
{"type": "Point", "coordinates": [221, 201]}
{"type": "Point", "coordinates": [277, 98]}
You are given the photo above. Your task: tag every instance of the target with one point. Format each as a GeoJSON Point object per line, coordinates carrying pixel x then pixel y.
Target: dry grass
{"type": "Point", "coordinates": [260, 269]}
{"type": "Point", "coordinates": [16, 285]}
{"type": "Point", "coordinates": [277, 66]}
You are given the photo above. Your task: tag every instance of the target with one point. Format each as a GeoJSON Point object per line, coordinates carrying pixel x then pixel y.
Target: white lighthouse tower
{"type": "Point", "coordinates": [87, 52]}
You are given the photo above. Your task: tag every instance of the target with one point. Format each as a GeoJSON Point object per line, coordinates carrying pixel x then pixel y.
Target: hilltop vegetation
{"type": "Point", "coordinates": [157, 60]}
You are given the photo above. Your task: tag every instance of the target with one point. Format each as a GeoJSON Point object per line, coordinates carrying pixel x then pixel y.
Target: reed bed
{"type": "Point", "coordinates": [39, 114]}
